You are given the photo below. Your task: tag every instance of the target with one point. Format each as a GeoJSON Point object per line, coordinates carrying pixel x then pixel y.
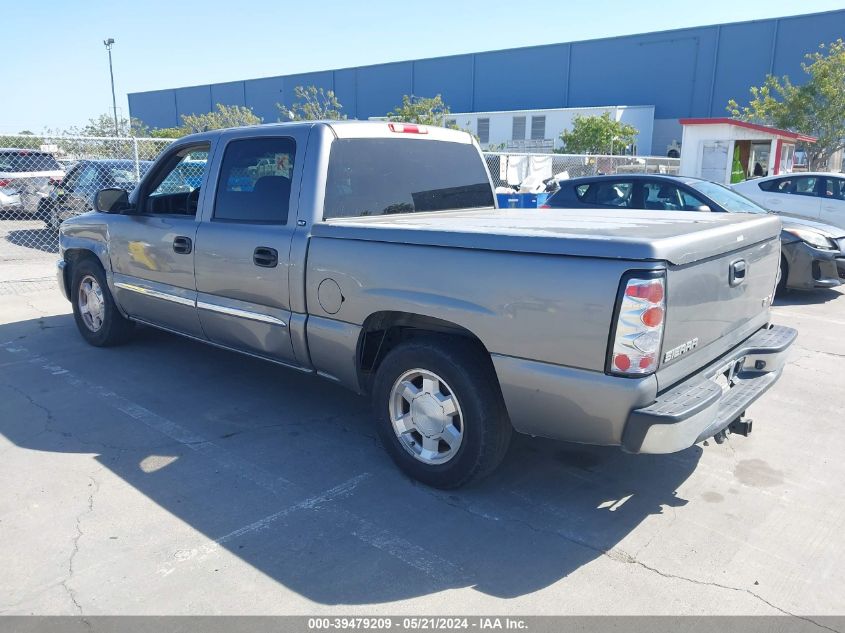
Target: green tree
{"type": "Point", "coordinates": [815, 108]}
{"type": "Point", "coordinates": [168, 132]}
{"type": "Point", "coordinates": [597, 135]}
{"type": "Point", "coordinates": [420, 110]}
{"type": "Point", "coordinates": [21, 143]}
{"type": "Point", "coordinates": [312, 104]}
{"type": "Point", "coordinates": [103, 125]}
{"type": "Point", "coordinates": [223, 116]}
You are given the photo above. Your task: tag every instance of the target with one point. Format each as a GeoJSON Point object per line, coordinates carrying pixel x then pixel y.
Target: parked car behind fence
{"type": "Point", "coordinates": [75, 194]}
{"type": "Point", "coordinates": [26, 177]}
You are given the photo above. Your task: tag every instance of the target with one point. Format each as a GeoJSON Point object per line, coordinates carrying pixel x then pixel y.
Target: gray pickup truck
{"type": "Point", "coordinates": [372, 254]}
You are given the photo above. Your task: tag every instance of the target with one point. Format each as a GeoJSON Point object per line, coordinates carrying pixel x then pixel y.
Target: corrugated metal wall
{"type": "Point", "coordinates": [687, 72]}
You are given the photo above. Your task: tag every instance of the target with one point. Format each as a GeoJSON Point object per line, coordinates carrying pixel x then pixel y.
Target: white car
{"type": "Point", "coordinates": [26, 177]}
{"type": "Point", "coordinates": [816, 195]}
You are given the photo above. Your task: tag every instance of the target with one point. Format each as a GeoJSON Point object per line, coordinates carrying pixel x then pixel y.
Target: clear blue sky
{"type": "Point", "coordinates": [55, 67]}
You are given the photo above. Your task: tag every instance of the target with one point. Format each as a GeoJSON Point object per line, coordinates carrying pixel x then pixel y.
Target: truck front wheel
{"type": "Point", "coordinates": [440, 412]}
{"type": "Point", "coordinates": [94, 310]}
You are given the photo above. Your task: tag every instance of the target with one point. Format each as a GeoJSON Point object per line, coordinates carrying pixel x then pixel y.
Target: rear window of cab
{"type": "Point", "coordinates": [370, 177]}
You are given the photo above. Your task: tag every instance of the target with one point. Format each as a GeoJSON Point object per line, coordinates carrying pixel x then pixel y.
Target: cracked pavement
{"type": "Point", "coordinates": [165, 477]}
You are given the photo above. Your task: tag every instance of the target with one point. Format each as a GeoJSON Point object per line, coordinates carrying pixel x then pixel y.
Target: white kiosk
{"type": "Point", "coordinates": [727, 150]}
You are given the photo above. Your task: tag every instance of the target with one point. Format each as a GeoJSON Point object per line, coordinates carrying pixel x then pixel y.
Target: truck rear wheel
{"type": "Point", "coordinates": [439, 411]}
{"type": "Point", "coordinates": [94, 310]}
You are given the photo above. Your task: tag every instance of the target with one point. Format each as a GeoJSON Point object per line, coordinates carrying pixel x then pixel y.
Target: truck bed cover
{"type": "Point", "coordinates": [624, 234]}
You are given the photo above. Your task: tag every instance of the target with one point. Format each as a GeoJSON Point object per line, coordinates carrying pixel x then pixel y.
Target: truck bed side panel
{"type": "Point", "coordinates": [547, 308]}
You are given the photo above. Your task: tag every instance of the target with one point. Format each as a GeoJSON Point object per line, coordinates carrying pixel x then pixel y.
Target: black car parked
{"type": "Point", "coordinates": [812, 253]}
{"type": "Point", "coordinates": [75, 193]}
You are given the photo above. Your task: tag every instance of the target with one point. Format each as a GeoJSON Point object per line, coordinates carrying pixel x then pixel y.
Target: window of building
{"type": "Point", "coordinates": [255, 181]}
{"type": "Point", "coordinates": [518, 128]}
{"type": "Point", "coordinates": [538, 128]}
{"type": "Point", "coordinates": [483, 130]}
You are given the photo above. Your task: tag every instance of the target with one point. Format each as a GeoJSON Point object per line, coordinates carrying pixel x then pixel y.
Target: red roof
{"type": "Point", "coordinates": [751, 126]}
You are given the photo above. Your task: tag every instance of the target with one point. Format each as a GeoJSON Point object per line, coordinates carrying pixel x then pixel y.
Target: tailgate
{"type": "Point", "coordinates": [714, 304]}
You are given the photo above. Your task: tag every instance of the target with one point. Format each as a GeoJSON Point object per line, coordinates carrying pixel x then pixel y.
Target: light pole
{"type": "Point", "coordinates": [108, 44]}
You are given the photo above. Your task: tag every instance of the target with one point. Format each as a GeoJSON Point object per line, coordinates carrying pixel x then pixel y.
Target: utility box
{"type": "Point", "coordinates": [521, 200]}
{"type": "Point", "coordinates": [727, 150]}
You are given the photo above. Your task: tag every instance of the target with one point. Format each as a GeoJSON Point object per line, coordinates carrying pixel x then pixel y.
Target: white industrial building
{"type": "Point", "coordinates": [539, 130]}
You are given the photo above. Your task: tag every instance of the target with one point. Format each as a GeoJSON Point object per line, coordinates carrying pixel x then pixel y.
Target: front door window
{"type": "Point", "coordinates": [175, 188]}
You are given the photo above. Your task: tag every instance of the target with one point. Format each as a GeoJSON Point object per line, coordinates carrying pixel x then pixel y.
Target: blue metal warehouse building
{"type": "Point", "coordinates": [689, 72]}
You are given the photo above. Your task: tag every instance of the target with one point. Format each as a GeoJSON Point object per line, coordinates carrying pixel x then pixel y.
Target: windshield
{"type": "Point", "coordinates": [726, 198]}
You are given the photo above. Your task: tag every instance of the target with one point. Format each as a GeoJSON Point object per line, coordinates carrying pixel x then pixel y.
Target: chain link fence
{"type": "Point", "coordinates": [510, 169]}
{"type": "Point", "coordinates": [46, 179]}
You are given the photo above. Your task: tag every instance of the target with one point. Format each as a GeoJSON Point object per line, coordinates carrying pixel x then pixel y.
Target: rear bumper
{"type": "Point", "coordinates": [700, 407]}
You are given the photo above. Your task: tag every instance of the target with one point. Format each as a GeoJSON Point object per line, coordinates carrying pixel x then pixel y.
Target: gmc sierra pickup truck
{"type": "Point", "coordinates": [372, 254]}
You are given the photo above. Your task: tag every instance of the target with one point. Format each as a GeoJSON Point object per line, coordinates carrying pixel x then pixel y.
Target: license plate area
{"type": "Point", "coordinates": [725, 376]}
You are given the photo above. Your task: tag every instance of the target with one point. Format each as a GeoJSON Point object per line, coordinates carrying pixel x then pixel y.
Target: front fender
{"type": "Point", "coordinates": [80, 237]}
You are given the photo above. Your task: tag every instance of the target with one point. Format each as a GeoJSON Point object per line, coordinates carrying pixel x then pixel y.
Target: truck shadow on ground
{"type": "Point", "coordinates": [284, 471]}
{"type": "Point", "coordinates": [806, 298]}
{"type": "Point", "coordinates": [45, 239]}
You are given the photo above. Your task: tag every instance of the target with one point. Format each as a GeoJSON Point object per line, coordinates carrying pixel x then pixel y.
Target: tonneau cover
{"type": "Point", "coordinates": [679, 237]}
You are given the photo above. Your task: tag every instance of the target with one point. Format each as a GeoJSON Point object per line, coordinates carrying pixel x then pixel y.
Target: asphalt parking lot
{"type": "Point", "coordinates": [167, 477]}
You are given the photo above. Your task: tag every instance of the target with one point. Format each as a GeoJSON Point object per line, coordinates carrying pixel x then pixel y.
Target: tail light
{"type": "Point", "coordinates": [5, 183]}
{"type": "Point", "coordinates": [407, 128]}
{"type": "Point", "coordinates": [638, 332]}
{"type": "Point", "coordinates": [544, 206]}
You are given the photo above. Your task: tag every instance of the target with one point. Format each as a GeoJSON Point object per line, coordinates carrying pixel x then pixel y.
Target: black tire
{"type": "Point", "coordinates": [781, 288]}
{"type": "Point", "coordinates": [115, 328]}
{"type": "Point", "coordinates": [44, 212]}
{"type": "Point", "coordinates": [469, 374]}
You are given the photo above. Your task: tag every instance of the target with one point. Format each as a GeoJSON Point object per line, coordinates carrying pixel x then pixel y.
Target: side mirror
{"type": "Point", "coordinates": [704, 208]}
{"type": "Point", "coordinates": [112, 200]}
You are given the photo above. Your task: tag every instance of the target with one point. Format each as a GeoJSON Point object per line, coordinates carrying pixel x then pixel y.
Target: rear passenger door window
{"type": "Point", "coordinates": [613, 193]}
{"type": "Point", "coordinates": [805, 186]}
{"type": "Point", "coordinates": [664, 196]}
{"type": "Point", "coordinates": [255, 181]}
{"type": "Point", "coordinates": [798, 185]}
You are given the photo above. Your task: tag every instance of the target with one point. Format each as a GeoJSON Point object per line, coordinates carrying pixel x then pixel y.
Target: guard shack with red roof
{"type": "Point", "coordinates": [727, 150]}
